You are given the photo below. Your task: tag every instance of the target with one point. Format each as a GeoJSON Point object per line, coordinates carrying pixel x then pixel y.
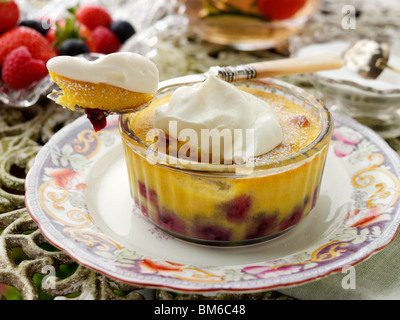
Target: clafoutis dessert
{"type": "Point", "coordinates": [117, 82]}
{"type": "Point", "coordinates": [224, 165]}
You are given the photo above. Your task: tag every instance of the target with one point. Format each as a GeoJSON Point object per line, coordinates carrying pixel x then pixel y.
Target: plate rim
{"type": "Point", "coordinates": [356, 258]}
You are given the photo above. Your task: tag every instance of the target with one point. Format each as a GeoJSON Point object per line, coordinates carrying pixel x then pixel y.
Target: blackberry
{"type": "Point", "coordinates": [122, 29]}
{"type": "Point", "coordinates": [36, 25]}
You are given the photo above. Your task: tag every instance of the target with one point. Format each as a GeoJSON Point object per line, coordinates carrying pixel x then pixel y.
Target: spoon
{"type": "Point", "coordinates": [255, 70]}
{"type": "Point", "coordinates": [368, 58]}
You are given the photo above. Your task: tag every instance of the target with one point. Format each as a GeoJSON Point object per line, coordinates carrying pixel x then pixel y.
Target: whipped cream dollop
{"type": "Point", "coordinates": [215, 104]}
{"type": "Point", "coordinates": [127, 70]}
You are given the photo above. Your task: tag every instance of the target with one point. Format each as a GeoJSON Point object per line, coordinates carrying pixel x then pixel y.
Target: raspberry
{"type": "Point", "coordinates": [97, 117]}
{"type": "Point", "coordinates": [236, 210]}
{"type": "Point", "coordinates": [9, 13]}
{"type": "Point", "coordinates": [211, 232]}
{"type": "Point", "coordinates": [293, 219]}
{"type": "Point", "coordinates": [315, 197]}
{"type": "Point", "coordinates": [149, 194]}
{"type": "Point", "coordinates": [168, 220]}
{"type": "Point", "coordinates": [280, 10]}
{"type": "Point", "coordinates": [93, 16]}
{"type": "Point", "coordinates": [20, 70]}
{"type": "Point", "coordinates": [37, 44]}
{"type": "Point", "coordinates": [106, 41]}
{"type": "Point", "coordinates": [262, 226]}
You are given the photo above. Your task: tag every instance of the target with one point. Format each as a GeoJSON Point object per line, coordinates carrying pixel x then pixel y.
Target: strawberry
{"type": "Point", "coordinates": [9, 15]}
{"type": "Point", "coordinates": [37, 44]}
{"type": "Point", "coordinates": [280, 10]}
{"type": "Point", "coordinates": [21, 70]}
{"type": "Point", "coordinates": [70, 29]}
{"type": "Point", "coordinates": [86, 34]}
{"type": "Point", "coordinates": [93, 16]}
{"type": "Point", "coordinates": [107, 42]}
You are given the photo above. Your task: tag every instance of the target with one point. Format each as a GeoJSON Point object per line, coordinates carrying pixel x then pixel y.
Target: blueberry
{"type": "Point", "coordinates": [73, 47]}
{"type": "Point", "coordinates": [122, 29]}
{"type": "Point", "coordinates": [35, 24]}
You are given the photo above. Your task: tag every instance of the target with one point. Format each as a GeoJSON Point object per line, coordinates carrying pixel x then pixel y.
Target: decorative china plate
{"type": "Point", "coordinates": [78, 193]}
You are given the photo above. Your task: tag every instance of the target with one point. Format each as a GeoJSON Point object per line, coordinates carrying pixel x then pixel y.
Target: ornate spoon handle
{"type": "Point", "coordinates": [276, 68]}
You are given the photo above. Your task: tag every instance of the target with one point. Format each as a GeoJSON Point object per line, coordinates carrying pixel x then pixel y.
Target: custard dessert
{"type": "Point", "coordinates": [117, 82]}
{"type": "Point", "coordinates": [234, 201]}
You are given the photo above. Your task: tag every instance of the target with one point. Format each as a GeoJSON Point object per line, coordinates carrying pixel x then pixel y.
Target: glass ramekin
{"type": "Point", "coordinates": [229, 205]}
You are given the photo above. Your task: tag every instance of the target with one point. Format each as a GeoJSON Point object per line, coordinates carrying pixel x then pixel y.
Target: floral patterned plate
{"type": "Point", "coordinates": [77, 191]}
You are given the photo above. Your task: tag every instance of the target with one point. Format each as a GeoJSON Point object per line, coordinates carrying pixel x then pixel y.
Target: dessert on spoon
{"type": "Point", "coordinates": [114, 83]}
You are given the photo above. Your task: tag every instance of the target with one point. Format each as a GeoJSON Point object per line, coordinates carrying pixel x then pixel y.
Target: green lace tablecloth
{"type": "Point", "coordinates": [26, 258]}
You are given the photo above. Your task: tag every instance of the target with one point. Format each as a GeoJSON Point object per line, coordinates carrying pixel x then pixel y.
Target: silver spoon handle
{"type": "Point", "coordinates": [281, 67]}
{"type": "Point", "coordinates": [234, 73]}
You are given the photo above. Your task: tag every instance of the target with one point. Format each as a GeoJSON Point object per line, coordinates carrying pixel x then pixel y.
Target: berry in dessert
{"type": "Point", "coordinates": [216, 203]}
{"type": "Point", "coordinates": [117, 82]}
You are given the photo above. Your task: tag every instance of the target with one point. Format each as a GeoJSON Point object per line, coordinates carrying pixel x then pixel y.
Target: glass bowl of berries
{"type": "Point", "coordinates": [24, 51]}
{"type": "Point", "coordinates": [248, 25]}
{"type": "Point", "coordinates": [29, 38]}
